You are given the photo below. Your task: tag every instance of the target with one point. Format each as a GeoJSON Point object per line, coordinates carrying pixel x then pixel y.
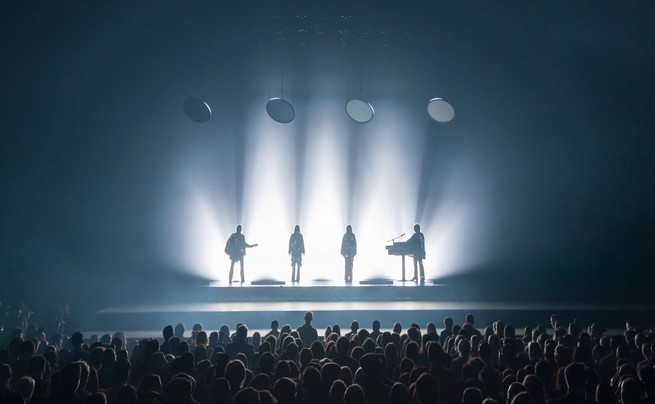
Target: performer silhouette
{"type": "Point", "coordinates": [296, 250]}
{"type": "Point", "coordinates": [348, 251]}
{"type": "Point", "coordinates": [236, 248]}
{"type": "Point", "coordinates": [418, 242]}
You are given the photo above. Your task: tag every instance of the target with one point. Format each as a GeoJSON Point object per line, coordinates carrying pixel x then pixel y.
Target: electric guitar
{"type": "Point", "coordinates": [233, 251]}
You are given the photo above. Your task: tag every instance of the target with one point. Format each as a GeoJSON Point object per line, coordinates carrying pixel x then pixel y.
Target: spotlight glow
{"type": "Point", "coordinates": [383, 173]}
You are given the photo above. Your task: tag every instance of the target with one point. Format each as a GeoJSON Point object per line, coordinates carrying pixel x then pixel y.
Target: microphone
{"type": "Point", "coordinates": [395, 238]}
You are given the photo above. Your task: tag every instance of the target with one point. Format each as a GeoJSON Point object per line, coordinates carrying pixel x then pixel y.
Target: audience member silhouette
{"type": "Point", "coordinates": [551, 365]}
{"type": "Point", "coordinates": [307, 333]}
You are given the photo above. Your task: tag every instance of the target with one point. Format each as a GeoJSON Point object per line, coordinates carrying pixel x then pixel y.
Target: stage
{"type": "Point", "coordinates": [215, 304]}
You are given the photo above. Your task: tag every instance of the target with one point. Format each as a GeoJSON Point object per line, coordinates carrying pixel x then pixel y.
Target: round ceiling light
{"type": "Point", "coordinates": [440, 110]}
{"type": "Point", "coordinates": [360, 111]}
{"type": "Point", "coordinates": [197, 109]}
{"type": "Point", "coordinates": [280, 110]}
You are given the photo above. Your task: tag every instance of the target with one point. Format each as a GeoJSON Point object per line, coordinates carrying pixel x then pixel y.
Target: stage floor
{"type": "Point", "coordinates": [333, 303]}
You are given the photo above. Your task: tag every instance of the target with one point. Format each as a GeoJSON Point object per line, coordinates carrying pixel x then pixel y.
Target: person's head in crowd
{"type": "Point", "coordinates": [151, 346]}
{"type": "Point", "coordinates": [535, 352]}
{"type": "Point", "coordinates": [213, 339]}
{"type": "Point", "coordinates": [426, 389]}
{"type": "Point", "coordinates": [337, 390]}
{"type": "Point", "coordinates": [312, 384]}
{"type": "Point", "coordinates": [362, 334]}
{"type": "Point", "coordinates": [261, 382]}
{"type": "Point", "coordinates": [346, 375]}
{"type": "Point", "coordinates": [150, 382]}
{"type": "Point", "coordinates": [224, 332]}
{"type": "Point", "coordinates": [117, 343]}
{"type": "Point", "coordinates": [630, 391]}
{"type": "Point", "coordinates": [354, 395]}
{"type": "Point", "coordinates": [179, 331]}
{"type": "Point", "coordinates": [368, 345]}
{"type": "Point", "coordinates": [85, 369]}
{"type": "Point", "coordinates": [105, 339]}
{"type": "Point", "coordinates": [535, 388]}
{"type": "Point", "coordinates": [126, 395]}
{"type": "Point", "coordinates": [376, 325]}
{"type": "Point", "coordinates": [318, 350]}
{"type": "Point", "coordinates": [235, 373]}
{"type": "Point", "coordinates": [605, 394]}
{"type": "Point", "coordinates": [201, 338]}
{"type": "Point", "coordinates": [412, 351]}
{"type": "Point", "coordinates": [397, 328]}
{"type": "Point", "coordinates": [256, 340]}
{"type": "Point", "coordinates": [282, 369]}
{"type": "Point", "coordinates": [472, 395]}
{"type": "Point", "coordinates": [266, 362]}
{"type": "Point", "coordinates": [219, 390]}
{"type": "Point", "coordinates": [247, 395]}
{"type": "Point", "coordinates": [167, 332]}
{"type": "Point", "coordinates": [70, 378]}
{"type": "Point", "coordinates": [329, 373]}
{"type": "Point", "coordinates": [242, 357]}
{"type": "Point", "coordinates": [575, 378]}
{"type": "Point", "coordinates": [242, 333]}
{"type": "Point", "coordinates": [498, 327]}
{"type": "Point", "coordinates": [491, 381]}
{"type": "Point", "coordinates": [265, 347]}
{"type": "Point", "coordinates": [25, 386]}
{"type": "Point", "coordinates": [343, 346]}
{"type": "Point", "coordinates": [96, 398]}
{"type": "Point", "coordinates": [513, 390]}
{"type": "Point", "coordinates": [354, 326]}
{"type": "Point", "coordinates": [509, 331]}
{"type": "Point", "coordinates": [414, 334]}
{"type": "Point", "coordinates": [77, 339]}
{"type": "Point", "coordinates": [484, 351]}
{"type": "Point", "coordinates": [305, 357]}
{"type": "Point", "coordinates": [448, 323]}
{"type": "Point", "coordinates": [37, 366]}
{"type": "Point", "coordinates": [286, 329]}
{"type": "Point", "coordinates": [120, 372]}
{"type": "Point", "coordinates": [399, 393]}
{"type": "Point", "coordinates": [178, 390]}
{"type": "Point", "coordinates": [563, 356]}
{"type": "Point", "coordinates": [284, 390]}
{"type": "Point", "coordinates": [371, 366]}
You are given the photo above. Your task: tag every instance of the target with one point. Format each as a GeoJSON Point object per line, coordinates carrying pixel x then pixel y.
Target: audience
{"type": "Point", "coordinates": [461, 365]}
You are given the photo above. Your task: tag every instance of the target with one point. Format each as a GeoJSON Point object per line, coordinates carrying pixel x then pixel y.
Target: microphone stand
{"type": "Point", "coordinates": [393, 240]}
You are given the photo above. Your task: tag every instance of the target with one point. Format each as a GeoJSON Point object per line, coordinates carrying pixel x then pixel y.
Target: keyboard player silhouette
{"type": "Point", "coordinates": [415, 248]}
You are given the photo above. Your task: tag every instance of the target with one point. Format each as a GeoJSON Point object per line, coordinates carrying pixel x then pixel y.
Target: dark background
{"type": "Point", "coordinates": [554, 104]}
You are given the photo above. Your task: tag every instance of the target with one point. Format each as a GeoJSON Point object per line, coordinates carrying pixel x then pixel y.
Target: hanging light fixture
{"type": "Point", "coordinates": [357, 109]}
{"type": "Point", "coordinates": [280, 110]}
{"type": "Point", "coordinates": [440, 110]}
{"type": "Point", "coordinates": [360, 111]}
{"type": "Point", "coordinates": [197, 110]}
